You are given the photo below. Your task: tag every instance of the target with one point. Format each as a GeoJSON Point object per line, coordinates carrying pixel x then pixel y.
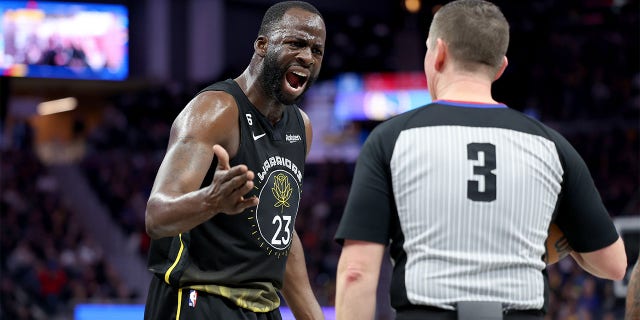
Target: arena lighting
{"type": "Point", "coordinates": [413, 6]}
{"type": "Point", "coordinates": [55, 106]}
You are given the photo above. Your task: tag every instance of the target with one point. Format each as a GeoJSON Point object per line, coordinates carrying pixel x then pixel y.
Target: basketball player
{"type": "Point", "coordinates": [224, 243]}
{"type": "Point", "coordinates": [464, 189]}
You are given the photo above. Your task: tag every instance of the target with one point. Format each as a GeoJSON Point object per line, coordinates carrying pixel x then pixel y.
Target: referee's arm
{"type": "Point", "coordinates": [582, 216]}
{"type": "Point", "coordinates": [606, 263]}
{"type": "Point", "coordinates": [364, 228]}
{"type": "Point", "coordinates": [358, 273]}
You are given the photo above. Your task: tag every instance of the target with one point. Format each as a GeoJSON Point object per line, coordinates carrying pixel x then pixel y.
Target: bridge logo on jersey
{"type": "Point", "coordinates": [275, 214]}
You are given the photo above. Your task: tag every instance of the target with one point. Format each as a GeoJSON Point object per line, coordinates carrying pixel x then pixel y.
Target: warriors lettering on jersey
{"type": "Point", "coordinates": [279, 161]}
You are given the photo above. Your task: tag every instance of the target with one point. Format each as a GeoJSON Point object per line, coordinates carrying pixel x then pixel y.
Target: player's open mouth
{"type": "Point", "coordinates": [296, 80]}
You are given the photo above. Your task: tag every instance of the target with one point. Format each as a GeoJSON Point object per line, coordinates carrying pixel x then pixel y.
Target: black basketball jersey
{"type": "Point", "coordinates": [464, 194]}
{"type": "Point", "coordinates": [243, 256]}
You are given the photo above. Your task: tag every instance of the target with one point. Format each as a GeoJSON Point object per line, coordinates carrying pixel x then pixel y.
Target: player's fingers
{"type": "Point", "coordinates": [223, 157]}
{"type": "Point", "coordinates": [242, 190]}
{"type": "Point", "coordinates": [224, 176]}
{"type": "Point", "coordinates": [238, 186]}
{"type": "Point", "coordinates": [226, 182]}
{"type": "Point", "coordinates": [247, 202]}
{"type": "Point", "coordinates": [250, 202]}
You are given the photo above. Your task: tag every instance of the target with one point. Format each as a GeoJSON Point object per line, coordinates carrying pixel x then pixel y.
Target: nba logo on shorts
{"type": "Point", "coordinates": [193, 296]}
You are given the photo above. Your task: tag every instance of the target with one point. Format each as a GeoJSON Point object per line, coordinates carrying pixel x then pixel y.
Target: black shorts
{"type": "Point", "coordinates": [166, 302]}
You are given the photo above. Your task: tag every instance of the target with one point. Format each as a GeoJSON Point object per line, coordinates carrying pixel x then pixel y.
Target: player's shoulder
{"type": "Point", "coordinates": [304, 115]}
{"type": "Point", "coordinates": [207, 109]}
{"type": "Point", "coordinates": [210, 117]}
{"type": "Point", "coordinates": [212, 103]}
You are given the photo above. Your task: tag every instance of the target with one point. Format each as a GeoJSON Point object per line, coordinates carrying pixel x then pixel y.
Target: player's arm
{"type": "Point", "coordinates": [633, 294]}
{"type": "Point", "coordinates": [357, 279]}
{"type": "Point", "coordinates": [207, 126]}
{"type": "Point", "coordinates": [608, 263]}
{"type": "Point", "coordinates": [557, 246]}
{"type": "Point", "coordinates": [297, 289]}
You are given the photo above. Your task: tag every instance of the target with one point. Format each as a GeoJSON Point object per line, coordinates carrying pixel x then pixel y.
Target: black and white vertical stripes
{"type": "Point", "coordinates": [455, 249]}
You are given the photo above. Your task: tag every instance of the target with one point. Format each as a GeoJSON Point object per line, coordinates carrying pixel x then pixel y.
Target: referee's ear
{"type": "Point", "coordinates": [505, 62]}
{"type": "Point", "coordinates": [441, 55]}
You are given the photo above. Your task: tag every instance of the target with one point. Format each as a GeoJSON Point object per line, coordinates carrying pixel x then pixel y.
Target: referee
{"type": "Point", "coordinates": [463, 191]}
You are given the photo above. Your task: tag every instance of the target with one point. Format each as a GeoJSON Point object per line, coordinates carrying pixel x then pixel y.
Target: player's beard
{"type": "Point", "coordinates": [273, 76]}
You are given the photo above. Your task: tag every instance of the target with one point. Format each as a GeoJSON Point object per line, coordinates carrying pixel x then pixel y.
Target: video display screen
{"type": "Point", "coordinates": [379, 96]}
{"type": "Point", "coordinates": [71, 40]}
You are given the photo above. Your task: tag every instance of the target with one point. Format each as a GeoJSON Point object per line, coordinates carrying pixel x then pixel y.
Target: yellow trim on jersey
{"type": "Point", "coordinates": [179, 304]}
{"type": "Point", "coordinates": [175, 263]}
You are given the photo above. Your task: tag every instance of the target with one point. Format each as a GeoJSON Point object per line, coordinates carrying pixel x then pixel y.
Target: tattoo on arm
{"type": "Point", "coordinates": [562, 247]}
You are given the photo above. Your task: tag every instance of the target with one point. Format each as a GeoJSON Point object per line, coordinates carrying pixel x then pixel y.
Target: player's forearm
{"type": "Point", "coordinates": [633, 294]}
{"type": "Point", "coordinates": [297, 290]}
{"type": "Point", "coordinates": [302, 302]}
{"type": "Point", "coordinates": [168, 216]}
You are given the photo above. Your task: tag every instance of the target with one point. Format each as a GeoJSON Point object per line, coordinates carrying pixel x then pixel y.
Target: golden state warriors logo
{"type": "Point", "coordinates": [276, 213]}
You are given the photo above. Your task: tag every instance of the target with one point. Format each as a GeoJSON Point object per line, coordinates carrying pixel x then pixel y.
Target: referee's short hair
{"type": "Point", "coordinates": [476, 31]}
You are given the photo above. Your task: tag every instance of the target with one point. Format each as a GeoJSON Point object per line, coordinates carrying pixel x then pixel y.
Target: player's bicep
{"type": "Point", "coordinates": [184, 166]}
{"type": "Point", "coordinates": [207, 120]}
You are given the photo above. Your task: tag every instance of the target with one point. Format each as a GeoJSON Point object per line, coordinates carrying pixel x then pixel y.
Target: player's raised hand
{"type": "Point", "coordinates": [230, 185]}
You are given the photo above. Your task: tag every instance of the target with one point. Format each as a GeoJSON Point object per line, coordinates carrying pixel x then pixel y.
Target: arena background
{"type": "Point", "coordinates": [75, 183]}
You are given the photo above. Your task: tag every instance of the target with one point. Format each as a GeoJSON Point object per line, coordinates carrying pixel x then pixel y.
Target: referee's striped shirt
{"type": "Point", "coordinates": [464, 194]}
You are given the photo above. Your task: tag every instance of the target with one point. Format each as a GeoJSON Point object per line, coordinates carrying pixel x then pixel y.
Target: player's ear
{"type": "Point", "coordinates": [260, 45]}
{"type": "Point", "coordinates": [505, 62]}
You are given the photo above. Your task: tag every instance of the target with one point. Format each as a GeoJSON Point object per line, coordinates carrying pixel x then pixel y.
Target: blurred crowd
{"type": "Point", "coordinates": [49, 263]}
{"type": "Point", "coordinates": [581, 75]}
{"type": "Point", "coordinates": [572, 60]}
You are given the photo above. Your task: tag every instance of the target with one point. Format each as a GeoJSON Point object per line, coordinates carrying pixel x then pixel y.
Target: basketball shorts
{"type": "Point", "coordinates": [167, 303]}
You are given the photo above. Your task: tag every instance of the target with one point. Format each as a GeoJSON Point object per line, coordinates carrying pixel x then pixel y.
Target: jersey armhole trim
{"type": "Point", "coordinates": [175, 263]}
